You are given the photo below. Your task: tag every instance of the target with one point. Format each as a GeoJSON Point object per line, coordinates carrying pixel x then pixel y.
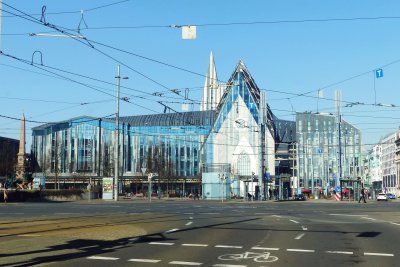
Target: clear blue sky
{"type": "Point", "coordinates": [291, 56]}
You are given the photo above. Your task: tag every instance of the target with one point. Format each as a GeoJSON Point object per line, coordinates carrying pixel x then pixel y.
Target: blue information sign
{"type": "Point", "coordinates": [379, 73]}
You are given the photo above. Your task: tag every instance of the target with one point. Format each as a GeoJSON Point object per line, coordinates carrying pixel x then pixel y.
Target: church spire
{"type": "Point", "coordinates": [211, 90]}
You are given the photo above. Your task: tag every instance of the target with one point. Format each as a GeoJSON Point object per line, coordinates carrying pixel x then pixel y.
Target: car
{"type": "Point", "coordinates": [391, 196]}
{"type": "Point", "coordinates": [300, 197]}
{"type": "Point", "coordinates": [382, 196]}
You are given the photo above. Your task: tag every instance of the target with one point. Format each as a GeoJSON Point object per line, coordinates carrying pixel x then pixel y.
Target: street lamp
{"type": "Point", "coordinates": [116, 151]}
{"type": "Point", "coordinates": [221, 176]}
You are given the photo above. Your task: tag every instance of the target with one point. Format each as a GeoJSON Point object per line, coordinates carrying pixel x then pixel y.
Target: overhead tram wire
{"type": "Point", "coordinates": [261, 22]}
{"type": "Point", "coordinates": [39, 66]}
{"type": "Point", "coordinates": [57, 28]}
{"type": "Point", "coordinates": [77, 11]}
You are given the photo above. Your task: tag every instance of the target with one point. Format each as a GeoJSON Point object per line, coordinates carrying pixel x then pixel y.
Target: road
{"type": "Point", "coordinates": [200, 233]}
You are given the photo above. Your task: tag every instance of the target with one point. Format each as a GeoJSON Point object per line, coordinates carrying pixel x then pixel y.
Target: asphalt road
{"type": "Point", "coordinates": [200, 233]}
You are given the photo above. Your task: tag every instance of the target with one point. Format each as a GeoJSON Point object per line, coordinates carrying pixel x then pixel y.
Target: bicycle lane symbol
{"type": "Point", "coordinates": [257, 257]}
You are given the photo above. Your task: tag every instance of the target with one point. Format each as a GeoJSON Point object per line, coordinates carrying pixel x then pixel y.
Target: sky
{"type": "Point", "coordinates": [292, 48]}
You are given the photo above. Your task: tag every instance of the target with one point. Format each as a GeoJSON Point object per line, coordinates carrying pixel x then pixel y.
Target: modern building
{"type": "Point", "coordinates": [374, 169]}
{"type": "Point", "coordinates": [389, 167]}
{"type": "Point", "coordinates": [328, 150]}
{"type": "Point", "coordinates": [230, 140]}
{"type": "Point", "coordinates": [8, 155]}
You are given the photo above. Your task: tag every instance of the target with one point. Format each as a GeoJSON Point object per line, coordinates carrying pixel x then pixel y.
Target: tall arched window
{"type": "Point", "coordinates": [243, 164]}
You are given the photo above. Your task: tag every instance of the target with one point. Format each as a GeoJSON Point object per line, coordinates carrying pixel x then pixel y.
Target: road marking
{"type": "Point", "coordinates": [189, 223]}
{"type": "Point", "coordinates": [195, 245]}
{"type": "Point", "coordinates": [263, 248]}
{"type": "Point", "coordinates": [171, 231]}
{"type": "Point", "coordinates": [228, 265]}
{"type": "Point", "coordinates": [102, 258]}
{"type": "Point", "coordinates": [294, 221]}
{"type": "Point", "coordinates": [161, 243]}
{"type": "Point", "coordinates": [299, 236]}
{"type": "Point", "coordinates": [224, 246]}
{"type": "Point", "coordinates": [190, 218]}
{"type": "Point", "coordinates": [340, 252]}
{"type": "Point", "coordinates": [378, 254]}
{"type": "Point", "coordinates": [349, 215]}
{"type": "Point", "coordinates": [367, 218]}
{"type": "Point", "coordinates": [211, 213]}
{"type": "Point", "coordinates": [300, 250]}
{"type": "Point", "coordinates": [395, 223]}
{"type": "Point", "coordinates": [186, 263]}
{"type": "Point", "coordinates": [29, 235]}
{"type": "Point", "coordinates": [262, 213]}
{"type": "Point", "coordinates": [304, 228]}
{"type": "Point", "coordinates": [276, 216]}
{"type": "Point", "coordinates": [144, 260]}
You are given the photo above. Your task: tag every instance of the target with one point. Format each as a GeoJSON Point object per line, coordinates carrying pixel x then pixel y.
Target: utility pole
{"type": "Point", "coordinates": [261, 152]}
{"type": "Point", "coordinates": [116, 151]}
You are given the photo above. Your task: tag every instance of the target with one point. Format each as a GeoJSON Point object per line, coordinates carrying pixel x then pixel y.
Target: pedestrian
{"type": "Point", "coordinates": [362, 195]}
{"type": "Point", "coordinates": [5, 196]}
{"type": "Point", "coordinates": [270, 193]}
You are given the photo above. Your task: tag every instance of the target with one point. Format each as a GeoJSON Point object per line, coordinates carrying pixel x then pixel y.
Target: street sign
{"type": "Point", "coordinates": [337, 189]}
{"type": "Point", "coordinates": [379, 73]}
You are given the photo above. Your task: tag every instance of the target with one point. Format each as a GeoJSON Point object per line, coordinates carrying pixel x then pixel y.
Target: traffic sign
{"type": "Point", "coordinates": [379, 73]}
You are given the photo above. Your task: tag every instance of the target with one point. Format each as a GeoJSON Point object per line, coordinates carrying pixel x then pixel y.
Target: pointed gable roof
{"type": "Point", "coordinates": [242, 74]}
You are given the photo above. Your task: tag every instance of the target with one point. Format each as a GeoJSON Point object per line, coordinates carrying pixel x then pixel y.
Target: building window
{"type": "Point", "coordinates": [244, 164]}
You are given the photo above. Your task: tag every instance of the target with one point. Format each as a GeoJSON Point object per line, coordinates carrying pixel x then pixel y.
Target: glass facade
{"type": "Point", "coordinates": [167, 144]}
{"type": "Point", "coordinates": [324, 155]}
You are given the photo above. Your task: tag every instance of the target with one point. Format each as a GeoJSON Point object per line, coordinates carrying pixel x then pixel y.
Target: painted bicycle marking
{"type": "Point", "coordinates": [257, 257]}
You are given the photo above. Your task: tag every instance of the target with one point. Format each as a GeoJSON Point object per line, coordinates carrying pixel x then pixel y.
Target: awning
{"type": "Point", "coordinates": [305, 190]}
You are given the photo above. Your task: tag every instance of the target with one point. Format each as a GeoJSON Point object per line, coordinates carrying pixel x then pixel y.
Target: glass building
{"type": "Point", "coordinates": [327, 151]}
{"type": "Point", "coordinates": [236, 132]}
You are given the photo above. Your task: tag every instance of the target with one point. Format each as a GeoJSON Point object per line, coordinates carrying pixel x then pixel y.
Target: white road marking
{"type": "Point", "coordinates": [190, 218]}
{"type": "Point", "coordinates": [161, 243]}
{"type": "Point", "coordinates": [189, 223]}
{"type": "Point", "coordinates": [186, 263]}
{"type": "Point", "coordinates": [262, 213]}
{"type": "Point", "coordinates": [144, 260]}
{"type": "Point", "coordinates": [276, 216]}
{"type": "Point", "coordinates": [304, 228]}
{"type": "Point", "coordinates": [349, 215]}
{"type": "Point", "coordinates": [378, 254]}
{"type": "Point", "coordinates": [395, 223]}
{"type": "Point", "coordinates": [340, 252]}
{"type": "Point", "coordinates": [29, 235]}
{"type": "Point", "coordinates": [224, 246]}
{"type": "Point", "coordinates": [171, 231]}
{"type": "Point", "coordinates": [367, 218]}
{"type": "Point", "coordinates": [195, 245]}
{"type": "Point", "coordinates": [102, 258]}
{"type": "Point", "coordinates": [294, 221]}
{"type": "Point", "coordinates": [133, 239]}
{"type": "Point", "coordinates": [211, 213]}
{"type": "Point", "coordinates": [228, 265]}
{"type": "Point", "coordinates": [263, 248]}
{"type": "Point", "coordinates": [300, 250]}
{"type": "Point", "coordinates": [299, 236]}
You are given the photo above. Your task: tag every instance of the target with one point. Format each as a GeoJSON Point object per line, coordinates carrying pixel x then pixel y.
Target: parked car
{"type": "Point", "coordinates": [382, 196]}
{"type": "Point", "coordinates": [391, 196]}
{"type": "Point", "coordinates": [300, 197]}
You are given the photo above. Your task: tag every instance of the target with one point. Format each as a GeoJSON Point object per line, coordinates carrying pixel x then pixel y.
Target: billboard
{"type": "Point", "coordinates": [108, 188]}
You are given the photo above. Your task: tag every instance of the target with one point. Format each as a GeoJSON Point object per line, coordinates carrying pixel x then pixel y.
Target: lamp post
{"type": "Point", "coordinates": [116, 151]}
